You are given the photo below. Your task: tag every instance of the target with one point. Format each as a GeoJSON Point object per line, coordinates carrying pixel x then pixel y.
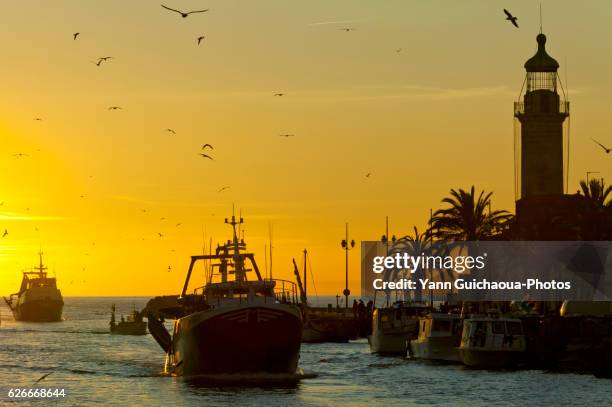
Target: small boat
{"type": "Point", "coordinates": [132, 325]}
{"type": "Point", "coordinates": [232, 325]}
{"type": "Point", "coordinates": [38, 299]}
{"type": "Point", "coordinates": [492, 342]}
{"type": "Point", "coordinates": [394, 326]}
{"type": "Point", "coordinates": [438, 338]}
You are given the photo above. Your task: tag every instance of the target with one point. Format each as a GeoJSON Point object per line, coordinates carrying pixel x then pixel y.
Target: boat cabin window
{"type": "Point", "coordinates": [514, 328]}
{"type": "Point", "coordinates": [498, 327]}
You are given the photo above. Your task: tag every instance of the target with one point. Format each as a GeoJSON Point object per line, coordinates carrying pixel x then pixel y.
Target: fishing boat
{"type": "Point", "coordinates": [132, 325]}
{"type": "Point", "coordinates": [393, 327]}
{"type": "Point", "coordinates": [232, 325]}
{"type": "Point", "coordinates": [38, 299]}
{"type": "Point", "coordinates": [492, 342]}
{"type": "Point", "coordinates": [437, 339]}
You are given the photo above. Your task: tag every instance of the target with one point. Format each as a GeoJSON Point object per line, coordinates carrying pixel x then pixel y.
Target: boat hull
{"type": "Point", "coordinates": [483, 358]}
{"type": "Point", "coordinates": [389, 343]}
{"type": "Point", "coordinates": [244, 339]}
{"type": "Point", "coordinates": [129, 328]}
{"type": "Point", "coordinates": [39, 311]}
{"type": "Point", "coordinates": [441, 349]}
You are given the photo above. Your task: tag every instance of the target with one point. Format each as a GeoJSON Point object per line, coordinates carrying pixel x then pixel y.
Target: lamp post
{"type": "Point", "coordinates": [346, 245]}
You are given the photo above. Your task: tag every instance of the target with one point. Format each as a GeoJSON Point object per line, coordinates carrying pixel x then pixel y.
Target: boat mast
{"type": "Point", "coordinates": [41, 268]}
{"type": "Point", "coordinates": [238, 260]}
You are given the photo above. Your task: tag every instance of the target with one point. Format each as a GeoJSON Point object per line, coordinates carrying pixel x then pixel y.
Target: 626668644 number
{"type": "Point", "coordinates": [36, 393]}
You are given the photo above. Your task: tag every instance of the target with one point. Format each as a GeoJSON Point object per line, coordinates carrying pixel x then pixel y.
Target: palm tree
{"type": "Point", "coordinates": [597, 193]}
{"type": "Point", "coordinates": [468, 217]}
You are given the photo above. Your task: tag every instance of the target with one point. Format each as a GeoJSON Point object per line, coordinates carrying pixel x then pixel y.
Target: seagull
{"type": "Point", "coordinates": [19, 155]}
{"type": "Point", "coordinates": [160, 234]}
{"type": "Point", "coordinates": [206, 156]}
{"type": "Point", "coordinates": [398, 50]}
{"type": "Point", "coordinates": [286, 135]}
{"type": "Point", "coordinates": [115, 108]}
{"type": "Point", "coordinates": [368, 175]}
{"type": "Point", "coordinates": [207, 145]}
{"type": "Point", "coordinates": [162, 218]}
{"type": "Point", "coordinates": [200, 38]}
{"type": "Point", "coordinates": [279, 94]}
{"type": "Point", "coordinates": [606, 149]}
{"type": "Point", "coordinates": [511, 18]}
{"type": "Point", "coordinates": [75, 35]}
{"type": "Point", "coordinates": [178, 224]}
{"type": "Point", "coordinates": [169, 269]}
{"type": "Point", "coordinates": [43, 377]}
{"type": "Point", "coordinates": [98, 63]}
{"type": "Point", "coordinates": [105, 58]}
{"type": "Point", "coordinates": [170, 131]}
{"type": "Point", "coordinates": [38, 119]}
{"type": "Point", "coordinates": [5, 233]}
{"type": "Point", "coordinates": [82, 196]}
{"type": "Point", "coordinates": [183, 14]}
{"type": "Point", "coordinates": [346, 29]}
{"type": "Point", "coordinates": [222, 189]}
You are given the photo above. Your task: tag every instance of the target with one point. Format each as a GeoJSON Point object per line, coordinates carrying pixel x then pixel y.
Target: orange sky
{"type": "Point", "coordinates": [436, 115]}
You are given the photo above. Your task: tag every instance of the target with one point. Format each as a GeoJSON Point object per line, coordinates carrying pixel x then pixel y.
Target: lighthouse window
{"type": "Point", "coordinates": [541, 80]}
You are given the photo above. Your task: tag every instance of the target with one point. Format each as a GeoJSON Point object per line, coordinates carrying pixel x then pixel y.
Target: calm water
{"type": "Point", "coordinates": [96, 368]}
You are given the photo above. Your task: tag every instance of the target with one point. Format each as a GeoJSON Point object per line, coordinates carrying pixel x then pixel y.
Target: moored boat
{"type": "Point", "coordinates": [394, 326]}
{"type": "Point", "coordinates": [492, 342]}
{"type": "Point", "coordinates": [38, 299]}
{"type": "Point", "coordinates": [438, 337]}
{"type": "Point", "coordinates": [132, 325]}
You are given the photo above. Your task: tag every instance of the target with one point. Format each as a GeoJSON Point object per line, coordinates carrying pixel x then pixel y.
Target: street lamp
{"type": "Point", "coordinates": [346, 245]}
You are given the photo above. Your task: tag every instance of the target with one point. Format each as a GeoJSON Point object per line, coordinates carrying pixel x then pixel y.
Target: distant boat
{"type": "Point", "coordinates": [38, 299]}
{"type": "Point", "coordinates": [132, 325]}
{"type": "Point", "coordinates": [438, 338]}
{"type": "Point", "coordinates": [394, 326]}
{"type": "Point", "coordinates": [492, 342]}
{"type": "Point", "coordinates": [232, 325]}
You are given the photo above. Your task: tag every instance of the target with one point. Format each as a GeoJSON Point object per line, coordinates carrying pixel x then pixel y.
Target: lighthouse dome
{"type": "Point", "coordinates": [541, 61]}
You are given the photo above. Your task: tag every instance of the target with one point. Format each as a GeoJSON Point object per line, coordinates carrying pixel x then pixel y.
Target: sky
{"type": "Point", "coordinates": [98, 186]}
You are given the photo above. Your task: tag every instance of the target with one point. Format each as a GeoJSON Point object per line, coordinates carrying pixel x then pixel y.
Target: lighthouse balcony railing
{"type": "Point", "coordinates": [519, 108]}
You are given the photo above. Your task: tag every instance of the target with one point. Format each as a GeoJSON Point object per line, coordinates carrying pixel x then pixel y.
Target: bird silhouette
{"type": "Point", "coordinates": [169, 269]}
{"type": "Point", "coordinates": [43, 377]}
{"type": "Point", "coordinates": [19, 155]}
{"type": "Point", "coordinates": [222, 189]}
{"type": "Point", "coordinates": [170, 131]}
{"type": "Point", "coordinates": [606, 149]}
{"type": "Point", "coordinates": [98, 63]}
{"type": "Point", "coordinates": [368, 175]}
{"type": "Point", "coordinates": [75, 35]}
{"type": "Point", "coordinates": [182, 13]}
{"type": "Point", "coordinates": [279, 94]}
{"type": "Point", "coordinates": [5, 233]}
{"type": "Point", "coordinates": [206, 156]}
{"type": "Point", "coordinates": [160, 234]}
{"type": "Point", "coordinates": [286, 135]}
{"type": "Point", "coordinates": [115, 108]}
{"type": "Point", "coordinates": [38, 119]}
{"type": "Point", "coordinates": [511, 18]}
{"type": "Point", "coordinates": [200, 38]}
{"type": "Point", "coordinates": [207, 145]}
{"type": "Point", "coordinates": [398, 50]}
{"type": "Point", "coordinates": [347, 29]}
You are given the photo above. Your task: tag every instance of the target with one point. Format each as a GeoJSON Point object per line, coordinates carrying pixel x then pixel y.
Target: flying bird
{"type": "Point", "coordinates": [207, 145]}
{"type": "Point", "coordinates": [606, 149]}
{"type": "Point", "coordinates": [222, 189]}
{"type": "Point", "coordinates": [200, 38]}
{"type": "Point", "coordinates": [178, 224]}
{"type": "Point", "coordinates": [279, 94]}
{"type": "Point", "coordinates": [398, 50]}
{"type": "Point", "coordinates": [38, 119]}
{"type": "Point", "coordinates": [160, 234]}
{"type": "Point", "coordinates": [182, 13]}
{"type": "Point", "coordinates": [347, 29]}
{"type": "Point", "coordinates": [511, 18]}
{"type": "Point", "coordinates": [286, 135]}
{"type": "Point", "coordinates": [43, 377]}
{"type": "Point", "coordinates": [19, 155]}
{"type": "Point", "coordinates": [115, 108]}
{"type": "Point", "coordinates": [206, 156]}
{"type": "Point", "coordinates": [75, 35]}
{"type": "Point", "coordinates": [368, 175]}
{"type": "Point", "coordinates": [170, 131]}
{"type": "Point", "coordinates": [169, 269]}
{"type": "Point", "coordinates": [5, 233]}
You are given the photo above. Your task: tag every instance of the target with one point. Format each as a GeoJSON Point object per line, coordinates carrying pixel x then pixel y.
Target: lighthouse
{"type": "Point", "coordinates": [541, 114]}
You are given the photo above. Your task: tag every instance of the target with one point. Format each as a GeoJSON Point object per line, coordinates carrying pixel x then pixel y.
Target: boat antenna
{"type": "Point", "coordinates": [270, 238]}
{"type": "Point", "coordinates": [540, 17]}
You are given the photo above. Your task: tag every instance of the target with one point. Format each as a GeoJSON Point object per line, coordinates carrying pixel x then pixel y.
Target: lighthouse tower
{"type": "Point", "coordinates": [541, 114]}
